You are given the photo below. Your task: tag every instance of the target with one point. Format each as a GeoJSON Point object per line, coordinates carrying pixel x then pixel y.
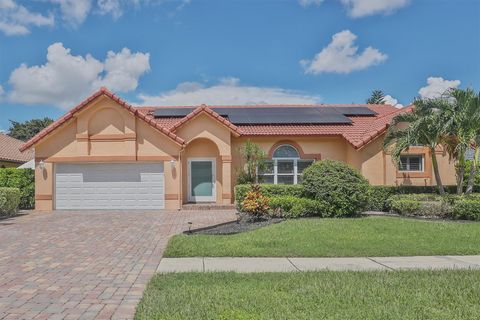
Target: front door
{"type": "Point", "coordinates": [201, 178]}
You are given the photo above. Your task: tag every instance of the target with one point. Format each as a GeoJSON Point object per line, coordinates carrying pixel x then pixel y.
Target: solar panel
{"type": "Point", "coordinates": [356, 111]}
{"type": "Point", "coordinates": [278, 115]}
{"type": "Point", "coordinates": [282, 115]}
{"type": "Point", "coordinates": [172, 112]}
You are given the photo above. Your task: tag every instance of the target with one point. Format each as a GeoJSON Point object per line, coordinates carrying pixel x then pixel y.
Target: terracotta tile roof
{"type": "Point", "coordinates": [103, 91]}
{"type": "Point", "coordinates": [204, 109]}
{"type": "Point", "coordinates": [360, 132]}
{"type": "Point", "coordinates": [9, 150]}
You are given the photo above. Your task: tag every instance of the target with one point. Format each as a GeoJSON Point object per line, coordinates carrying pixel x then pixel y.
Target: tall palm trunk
{"type": "Point", "coordinates": [437, 172]}
{"type": "Point", "coordinates": [460, 172]}
{"type": "Point", "coordinates": [473, 171]}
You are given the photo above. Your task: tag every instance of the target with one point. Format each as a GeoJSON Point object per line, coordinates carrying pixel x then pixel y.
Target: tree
{"type": "Point", "coordinates": [377, 97]}
{"type": "Point", "coordinates": [462, 121]}
{"type": "Point", "coordinates": [26, 130]}
{"type": "Point", "coordinates": [423, 127]}
{"type": "Point", "coordinates": [254, 158]}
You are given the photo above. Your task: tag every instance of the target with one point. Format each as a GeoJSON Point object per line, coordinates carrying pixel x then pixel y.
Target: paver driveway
{"type": "Point", "coordinates": [85, 265]}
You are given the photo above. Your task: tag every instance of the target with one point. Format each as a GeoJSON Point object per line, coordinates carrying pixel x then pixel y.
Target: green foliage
{"type": "Point", "coordinates": [467, 208]}
{"type": "Point", "coordinates": [377, 97]}
{"type": "Point", "coordinates": [269, 190]}
{"type": "Point", "coordinates": [339, 185]}
{"type": "Point", "coordinates": [9, 200]}
{"type": "Point", "coordinates": [255, 203]}
{"type": "Point", "coordinates": [426, 205]}
{"type": "Point", "coordinates": [295, 207]}
{"type": "Point", "coordinates": [254, 157]}
{"type": "Point", "coordinates": [24, 180]}
{"type": "Point", "coordinates": [26, 130]}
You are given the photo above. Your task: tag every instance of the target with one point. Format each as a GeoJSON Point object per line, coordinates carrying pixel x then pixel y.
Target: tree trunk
{"type": "Point", "coordinates": [438, 179]}
{"type": "Point", "coordinates": [473, 172]}
{"type": "Point", "coordinates": [460, 172]}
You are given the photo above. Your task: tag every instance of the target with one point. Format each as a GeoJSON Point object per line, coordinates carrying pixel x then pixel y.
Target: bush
{"type": "Point", "coordinates": [9, 200]}
{"type": "Point", "coordinates": [339, 185]}
{"type": "Point", "coordinates": [467, 208]}
{"type": "Point", "coordinates": [427, 205]}
{"type": "Point", "coordinates": [294, 207]}
{"type": "Point", "coordinates": [24, 180]}
{"type": "Point", "coordinates": [378, 196]}
{"type": "Point", "coordinates": [255, 203]}
{"type": "Point", "coordinates": [269, 190]}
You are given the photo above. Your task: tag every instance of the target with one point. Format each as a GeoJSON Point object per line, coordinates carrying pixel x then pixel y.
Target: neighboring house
{"type": "Point", "coordinates": [10, 155]}
{"type": "Point", "coordinates": [107, 154]}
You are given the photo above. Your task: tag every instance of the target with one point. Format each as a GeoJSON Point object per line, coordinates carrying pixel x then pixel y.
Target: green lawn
{"type": "Point", "coordinates": [371, 236]}
{"type": "Point", "coordinates": [317, 295]}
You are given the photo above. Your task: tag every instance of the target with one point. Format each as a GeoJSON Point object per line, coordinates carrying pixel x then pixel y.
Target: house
{"type": "Point", "coordinates": [10, 155]}
{"type": "Point", "coordinates": [107, 154]}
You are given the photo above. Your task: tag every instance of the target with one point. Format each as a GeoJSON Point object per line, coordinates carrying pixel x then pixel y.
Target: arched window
{"type": "Point", "coordinates": [285, 151]}
{"type": "Point", "coordinates": [286, 167]}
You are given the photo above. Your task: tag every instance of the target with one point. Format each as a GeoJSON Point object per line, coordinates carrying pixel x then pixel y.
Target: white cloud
{"type": "Point", "coordinates": [342, 56]}
{"type": "Point", "coordinates": [362, 8]}
{"type": "Point", "coordinates": [16, 19]}
{"type": "Point", "coordinates": [392, 101]}
{"type": "Point", "coordinates": [436, 86]}
{"type": "Point", "coordinates": [65, 79]}
{"type": "Point", "coordinates": [306, 3]}
{"type": "Point", "coordinates": [74, 12]}
{"type": "Point", "coordinates": [227, 91]}
{"type": "Point", "coordinates": [113, 7]}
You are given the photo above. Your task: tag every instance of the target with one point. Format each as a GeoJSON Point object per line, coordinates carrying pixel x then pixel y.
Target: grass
{"type": "Point", "coordinates": [371, 236]}
{"type": "Point", "coordinates": [318, 295]}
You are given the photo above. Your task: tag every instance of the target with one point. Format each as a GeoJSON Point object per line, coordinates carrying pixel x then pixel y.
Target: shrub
{"type": "Point", "coordinates": [294, 207]}
{"type": "Point", "coordinates": [269, 190]}
{"type": "Point", "coordinates": [9, 200]}
{"type": "Point", "coordinates": [255, 203]}
{"type": "Point", "coordinates": [24, 180]}
{"type": "Point", "coordinates": [339, 185]}
{"type": "Point", "coordinates": [467, 208]}
{"type": "Point", "coordinates": [378, 196]}
{"type": "Point", "coordinates": [428, 205]}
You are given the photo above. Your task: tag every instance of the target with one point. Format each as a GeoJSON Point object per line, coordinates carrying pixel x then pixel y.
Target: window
{"type": "Point", "coordinates": [286, 167]}
{"type": "Point", "coordinates": [411, 163]}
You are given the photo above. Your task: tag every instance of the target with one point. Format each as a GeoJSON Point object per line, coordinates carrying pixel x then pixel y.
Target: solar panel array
{"type": "Point", "coordinates": [279, 115]}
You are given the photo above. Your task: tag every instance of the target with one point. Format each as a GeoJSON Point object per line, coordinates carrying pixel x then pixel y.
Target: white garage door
{"type": "Point", "coordinates": [109, 186]}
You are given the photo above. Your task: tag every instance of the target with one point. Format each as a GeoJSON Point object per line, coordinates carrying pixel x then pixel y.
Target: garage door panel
{"type": "Point", "coordinates": [109, 186]}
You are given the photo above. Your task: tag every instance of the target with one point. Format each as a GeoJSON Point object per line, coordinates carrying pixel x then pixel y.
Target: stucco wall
{"type": "Point", "coordinates": [106, 132]}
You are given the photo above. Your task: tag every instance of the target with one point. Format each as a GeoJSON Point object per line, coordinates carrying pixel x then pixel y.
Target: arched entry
{"type": "Point", "coordinates": [202, 172]}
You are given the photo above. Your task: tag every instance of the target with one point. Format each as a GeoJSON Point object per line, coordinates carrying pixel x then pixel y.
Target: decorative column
{"type": "Point", "coordinates": [227, 179]}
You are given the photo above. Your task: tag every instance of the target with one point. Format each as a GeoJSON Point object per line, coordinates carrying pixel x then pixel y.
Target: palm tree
{"type": "Point", "coordinates": [377, 97]}
{"type": "Point", "coordinates": [462, 121]}
{"type": "Point", "coordinates": [423, 128]}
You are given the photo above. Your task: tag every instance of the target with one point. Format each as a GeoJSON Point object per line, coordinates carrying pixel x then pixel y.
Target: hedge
{"type": "Point", "coordinates": [465, 207]}
{"type": "Point", "coordinates": [378, 195]}
{"type": "Point", "coordinates": [295, 207]}
{"type": "Point", "coordinates": [24, 180]}
{"type": "Point", "coordinates": [468, 209]}
{"type": "Point", "coordinates": [269, 190]}
{"type": "Point", "coordinates": [9, 200]}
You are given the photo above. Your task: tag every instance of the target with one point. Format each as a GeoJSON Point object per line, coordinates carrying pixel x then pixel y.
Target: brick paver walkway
{"type": "Point", "coordinates": [85, 265]}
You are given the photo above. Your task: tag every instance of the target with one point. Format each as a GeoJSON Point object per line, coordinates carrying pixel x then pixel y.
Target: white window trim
{"type": "Point", "coordinates": [275, 173]}
{"type": "Point", "coordinates": [408, 156]}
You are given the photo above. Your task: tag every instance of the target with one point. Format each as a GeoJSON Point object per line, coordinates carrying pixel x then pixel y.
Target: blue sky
{"type": "Point", "coordinates": [53, 53]}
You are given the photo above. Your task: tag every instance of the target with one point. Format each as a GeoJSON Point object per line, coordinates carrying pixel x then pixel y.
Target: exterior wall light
{"type": "Point", "coordinates": [41, 165]}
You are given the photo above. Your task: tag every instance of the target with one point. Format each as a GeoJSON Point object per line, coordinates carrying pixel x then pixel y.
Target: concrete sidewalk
{"type": "Point", "coordinates": [200, 264]}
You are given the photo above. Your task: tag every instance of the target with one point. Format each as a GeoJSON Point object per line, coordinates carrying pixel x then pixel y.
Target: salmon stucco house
{"type": "Point", "coordinates": [108, 154]}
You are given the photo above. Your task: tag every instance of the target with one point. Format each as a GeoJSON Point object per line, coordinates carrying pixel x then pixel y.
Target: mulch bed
{"type": "Point", "coordinates": [233, 227]}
